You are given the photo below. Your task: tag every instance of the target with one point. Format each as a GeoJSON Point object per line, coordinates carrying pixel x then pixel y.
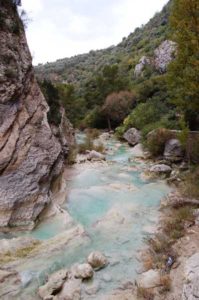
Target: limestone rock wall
{"type": "Point", "coordinates": [30, 154]}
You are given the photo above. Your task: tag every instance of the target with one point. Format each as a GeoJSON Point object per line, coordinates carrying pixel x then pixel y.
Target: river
{"type": "Point", "coordinates": [117, 207]}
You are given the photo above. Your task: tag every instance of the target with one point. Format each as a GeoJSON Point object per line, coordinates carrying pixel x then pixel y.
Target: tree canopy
{"type": "Point", "coordinates": [183, 75]}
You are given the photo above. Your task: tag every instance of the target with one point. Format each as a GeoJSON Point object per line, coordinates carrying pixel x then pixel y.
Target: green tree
{"type": "Point", "coordinates": [183, 75]}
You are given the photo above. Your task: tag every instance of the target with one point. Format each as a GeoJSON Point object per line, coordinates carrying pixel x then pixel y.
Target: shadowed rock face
{"type": "Point", "coordinates": [30, 154]}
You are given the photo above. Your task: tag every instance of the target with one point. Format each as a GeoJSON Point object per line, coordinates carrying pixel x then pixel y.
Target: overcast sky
{"type": "Point", "coordinates": [63, 28]}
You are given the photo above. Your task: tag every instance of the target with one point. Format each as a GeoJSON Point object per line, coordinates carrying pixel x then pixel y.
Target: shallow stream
{"type": "Point", "coordinates": [117, 207]}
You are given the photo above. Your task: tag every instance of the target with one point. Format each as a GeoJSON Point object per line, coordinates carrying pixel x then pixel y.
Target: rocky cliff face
{"type": "Point", "coordinates": [163, 55]}
{"type": "Point", "coordinates": [30, 154]}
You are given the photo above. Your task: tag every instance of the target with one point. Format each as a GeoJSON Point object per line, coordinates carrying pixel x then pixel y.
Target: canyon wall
{"type": "Point", "coordinates": [31, 155]}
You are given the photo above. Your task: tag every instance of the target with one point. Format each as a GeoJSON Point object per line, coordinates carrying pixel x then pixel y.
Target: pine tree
{"type": "Point", "coordinates": [183, 75]}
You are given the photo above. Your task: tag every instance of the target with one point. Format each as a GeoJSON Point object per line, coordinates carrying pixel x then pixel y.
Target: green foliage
{"type": "Point", "coordinates": [52, 97]}
{"type": "Point", "coordinates": [184, 133]}
{"type": "Point", "coordinates": [145, 113]}
{"type": "Point", "coordinates": [183, 76]}
{"type": "Point", "coordinates": [97, 74]}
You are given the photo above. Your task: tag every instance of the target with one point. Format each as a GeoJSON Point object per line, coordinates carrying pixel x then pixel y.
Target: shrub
{"type": "Point", "coordinates": [156, 140]}
{"type": "Point", "coordinates": [192, 149]}
{"type": "Point", "coordinates": [174, 227]}
{"type": "Point", "coordinates": [145, 113]}
{"type": "Point", "coordinates": [93, 133]}
{"type": "Point", "coordinates": [190, 186]}
{"type": "Point", "coordinates": [143, 293]}
{"type": "Point", "coordinates": [89, 145]}
{"type": "Point", "coordinates": [71, 158]}
{"type": "Point", "coordinates": [165, 282]}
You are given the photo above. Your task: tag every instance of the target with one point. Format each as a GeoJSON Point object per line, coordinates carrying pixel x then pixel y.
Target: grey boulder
{"type": "Point", "coordinates": [132, 136]}
{"type": "Point", "coordinates": [173, 150]}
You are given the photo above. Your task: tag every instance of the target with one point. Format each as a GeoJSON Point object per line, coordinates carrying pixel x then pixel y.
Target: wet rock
{"type": "Point", "coordinates": [107, 277]}
{"type": "Point", "coordinates": [137, 151]}
{"type": "Point", "coordinates": [53, 285]}
{"type": "Point", "coordinates": [71, 290]}
{"type": "Point", "coordinates": [93, 288]}
{"type": "Point", "coordinates": [97, 260]}
{"type": "Point", "coordinates": [173, 150]}
{"type": "Point", "coordinates": [83, 271]}
{"type": "Point", "coordinates": [149, 279]}
{"type": "Point", "coordinates": [160, 169]}
{"type": "Point", "coordinates": [132, 136]}
{"type": "Point", "coordinates": [191, 285]}
{"type": "Point", "coordinates": [95, 155]}
{"type": "Point", "coordinates": [164, 54]}
{"type": "Point", "coordinates": [26, 278]}
{"type": "Point", "coordinates": [122, 186]}
{"type": "Point", "coordinates": [10, 284]}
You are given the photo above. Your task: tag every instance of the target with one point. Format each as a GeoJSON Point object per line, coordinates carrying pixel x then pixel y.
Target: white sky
{"type": "Point", "coordinates": [63, 28]}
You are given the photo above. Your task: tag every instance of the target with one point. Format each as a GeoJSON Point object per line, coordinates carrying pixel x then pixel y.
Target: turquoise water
{"type": "Point", "coordinates": [117, 209]}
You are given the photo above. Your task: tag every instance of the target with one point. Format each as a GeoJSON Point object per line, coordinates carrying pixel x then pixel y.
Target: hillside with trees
{"type": "Point", "coordinates": [157, 65]}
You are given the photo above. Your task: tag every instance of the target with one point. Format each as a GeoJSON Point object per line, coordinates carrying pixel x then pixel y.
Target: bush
{"type": "Point", "coordinates": [146, 294]}
{"type": "Point", "coordinates": [165, 282]}
{"type": "Point", "coordinates": [93, 133]}
{"type": "Point", "coordinates": [71, 158]}
{"type": "Point", "coordinates": [89, 145]}
{"type": "Point", "coordinates": [190, 186]}
{"type": "Point", "coordinates": [145, 113]}
{"type": "Point", "coordinates": [156, 140]}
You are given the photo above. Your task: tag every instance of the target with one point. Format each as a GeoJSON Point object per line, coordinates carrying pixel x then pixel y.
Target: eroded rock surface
{"type": "Point", "coordinates": [97, 260]}
{"type": "Point", "coordinates": [30, 154]}
{"type": "Point", "coordinates": [173, 150]}
{"type": "Point", "coordinates": [191, 286]}
{"type": "Point", "coordinates": [160, 169]}
{"type": "Point", "coordinates": [164, 54]}
{"type": "Point", "coordinates": [144, 61]}
{"type": "Point", "coordinates": [132, 136]}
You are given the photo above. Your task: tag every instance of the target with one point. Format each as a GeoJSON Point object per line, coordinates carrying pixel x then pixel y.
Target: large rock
{"type": "Point", "coordinates": [144, 60]}
{"type": "Point", "coordinates": [160, 169]}
{"type": "Point", "coordinates": [53, 285]}
{"type": "Point", "coordinates": [83, 271]}
{"type": "Point", "coordinates": [164, 54]}
{"type": "Point", "coordinates": [30, 154]}
{"type": "Point", "coordinates": [97, 260]}
{"type": "Point", "coordinates": [71, 290]}
{"type": "Point", "coordinates": [10, 284]}
{"type": "Point", "coordinates": [132, 136]}
{"type": "Point", "coordinates": [191, 285]}
{"type": "Point", "coordinates": [94, 155]}
{"type": "Point", "coordinates": [173, 150]}
{"type": "Point", "coordinates": [149, 279]}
